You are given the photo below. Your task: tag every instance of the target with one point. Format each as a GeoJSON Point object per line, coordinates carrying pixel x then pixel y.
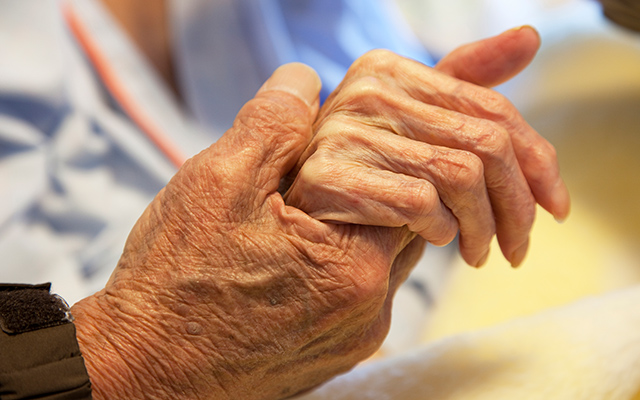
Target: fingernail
{"type": "Point", "coordinates": [519, 254]}
{"type": "Point", "coordinates": [296, 78]}
{"type": "Point", "coordinates": [521, 27]}
{"type": "Point", "coordinates": [483, 259]}
{"type": "Point", "coordinates": [526, 26]}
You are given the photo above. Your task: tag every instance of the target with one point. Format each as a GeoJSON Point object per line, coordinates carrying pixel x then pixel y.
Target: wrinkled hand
{"type": "Point", "coordinates": [402, 144]}
{"type": "Point", "coordinates": [223, 291]}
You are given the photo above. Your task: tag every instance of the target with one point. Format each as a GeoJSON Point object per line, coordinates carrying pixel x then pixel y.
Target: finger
{"type": "Point", "coordinates": [492, 61]}
{"type": "Point", "coordinates": [509, 192]}
{"type": "Point", "coordinates": [386, 73]}
{"type": "Point", "coordinates": [336, 192]}
{"type": "Point", "coordinates": [428, 106]}
{"type": "Point", "coordinates": [511, 198]}
{"type": "Point", "coordinates": [388, 159]}
{"type": "Point", "coordinates": [459, 178]}
{"type": "Point", "coordinates": [539, 163]}
{"type": "Point", "coordinates": [270, 132]}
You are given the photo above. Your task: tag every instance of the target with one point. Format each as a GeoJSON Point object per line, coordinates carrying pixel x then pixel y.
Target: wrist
{"type": "Point", "coordinates": [137, 352]}
{"type": "Point", "coordinates": [111, 369]}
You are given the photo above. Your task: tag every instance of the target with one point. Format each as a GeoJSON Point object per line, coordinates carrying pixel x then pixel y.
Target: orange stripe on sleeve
{"type": "Point", "coordinates": [119, 91]}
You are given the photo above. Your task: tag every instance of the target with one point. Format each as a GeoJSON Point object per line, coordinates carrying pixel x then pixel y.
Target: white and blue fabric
{"type": "Point", "coordinates": [76, 171]}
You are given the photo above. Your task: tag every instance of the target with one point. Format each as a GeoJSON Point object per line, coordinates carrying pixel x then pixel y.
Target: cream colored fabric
{"type": "Point", "coordinates": [590, 350]}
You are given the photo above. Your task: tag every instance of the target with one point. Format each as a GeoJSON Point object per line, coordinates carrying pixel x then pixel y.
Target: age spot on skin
{"type": "Point", "coordinates": [182, 310]}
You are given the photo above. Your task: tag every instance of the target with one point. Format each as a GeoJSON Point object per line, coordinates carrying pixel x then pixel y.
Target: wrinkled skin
{"type": "Point", "coordinates": [398, 144]}
{"type": "Point", "coordinates": [224, 291]}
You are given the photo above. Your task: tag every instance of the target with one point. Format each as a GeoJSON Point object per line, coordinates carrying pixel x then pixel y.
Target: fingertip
{"type": "Point", "coordinates": [297, 79]}
{"type": "Point", "coordinates": [479, 262]}
{"type": "Point", "coordinates": [483, 260]}
{"type": "Point", "coordinates": [527, 42]}
{"type": "Point", "coordinates": [492, 61]}
{"type": "Point", "coordinates": [518, 255]}
{"type": "Point", "coordinates": [474, 258]}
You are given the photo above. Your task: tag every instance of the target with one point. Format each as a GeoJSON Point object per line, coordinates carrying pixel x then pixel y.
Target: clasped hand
{"type": "Point", "coordinates": [224, 290]}
{"type": "Point", "coordinates": [398, 144]}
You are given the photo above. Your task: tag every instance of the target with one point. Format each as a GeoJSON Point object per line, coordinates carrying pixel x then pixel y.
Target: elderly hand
{"type": "Point", "coordinates": [223, 291]}
{"type": "Point", "coordinates": [401, 144]}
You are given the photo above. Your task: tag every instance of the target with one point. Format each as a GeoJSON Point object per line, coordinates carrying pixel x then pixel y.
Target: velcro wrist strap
{"type": "Point", "coordinates": [39, 353]}
{"type": "Point", "coordinates": [25, 308]}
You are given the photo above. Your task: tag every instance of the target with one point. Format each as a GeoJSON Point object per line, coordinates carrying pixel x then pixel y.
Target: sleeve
{"type": "Point", "coordinates": [39, 353]}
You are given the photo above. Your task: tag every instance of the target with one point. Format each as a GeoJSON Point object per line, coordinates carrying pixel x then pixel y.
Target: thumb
{"type": "Point", "coordinates": [492, 61]}
{"type": "Point", "coordinates": [271, 130]}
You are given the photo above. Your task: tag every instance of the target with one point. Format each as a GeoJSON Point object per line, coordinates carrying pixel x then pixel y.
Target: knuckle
{"type": "Point", "coordinates": [337, 130]}
{"type": "Point", "coordinates": [420, 200]}
{"type": "Point", "coordinates": [492, 140]}
{"type": "Point", "coordinates": [474, 168]}
{"type": "Point", "coordinates": [366, 86]}
{"type": "Point", "coordinates": [316, 172]}
{"type": "Point", "coordinates": [346, 136]}
{"type": "Point", "coordinates": [376, 59]}
{"type": "Point", "coordinates": [495, 105]}
{"type": "Point", "coordinates": [418, 207]}
{"type": "Point", "coordinates": [462, 172]}
{"type": "Point", "coordinates": [467, 172]}
{"type": "Point", "coordinates": [544, 157]}
{"type": "Point", "coordinates": [362, 93]}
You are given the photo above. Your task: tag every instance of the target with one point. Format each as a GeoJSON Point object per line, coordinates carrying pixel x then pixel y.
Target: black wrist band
{"type": "Point", "coordinates": [39, 353]}
{"type": "Point", "coordinates": [25, 308]}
